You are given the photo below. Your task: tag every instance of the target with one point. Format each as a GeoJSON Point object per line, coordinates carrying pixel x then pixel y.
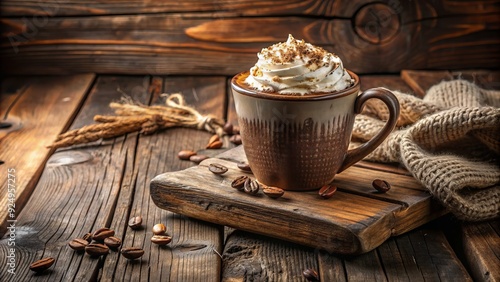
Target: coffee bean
{"type": "Point", "coordinates": [113, 242]}
{"type": "Point", "coordinates": [327, 191]}
{"type": "Point", "coordinates": [161, 239]}
{"type": "Point", "coordinates": [228, 128]}
{"type": "Point", "coordinates": [135, 222]}
{"type": "Point", "coordinates": [95, 249]}
{"type": "Point", "coordinates": [236, 130]}
{"type": "Point", "coordinates": [217, 168]}
{"type": "Point", "coordinates": [103, 233]}
{"type": "Point", "coordinates": [214, 138]}
{"type": "Point", "coordinates": [311, 275]}
{"type": "Point", "coordinates": [244, 167]}
{"type": "Point", "coordinates": [251, 187]}
{"type": "Point", "coordinates": [239, 182]}
{"type": "Point", "coordinates": [198, 158]}
{"type": "Point", "coordinates": [235, 139]}
{"type": "Point", "coordinates": [185, 154]}
{"type": "Point", "coordinates": [87, 237]}
{"type": "Point", "coordinates": [381, 185]}
{"type": "Point", "coordinates": [132, 252]}
{"type": "Point", "coordinates": [272, 192]}
{"type": "Point", "coordinates": [42, 265]}
{"type": "Point", "coordinates": [78, 244]}
{"type": "Point", "coordinates": [159, 229]}
{"type": "Point", "coordinates": [214, 145]}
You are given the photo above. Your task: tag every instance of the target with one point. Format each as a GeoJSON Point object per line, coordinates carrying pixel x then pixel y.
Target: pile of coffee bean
{"type": "Point", "coordinates": [99, 243]}
{"type": "Point", "coordinates": [160, 236]}
{"type": "Point", "coordinates": [247, 185]}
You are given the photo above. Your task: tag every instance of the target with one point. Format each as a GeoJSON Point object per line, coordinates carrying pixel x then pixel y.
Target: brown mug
{"type": "Point", "coordinates": [300, 142]}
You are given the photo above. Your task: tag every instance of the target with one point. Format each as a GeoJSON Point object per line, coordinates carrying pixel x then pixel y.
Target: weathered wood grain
{"type": "Point", "coordinates": [420, 255]}
{"type": "Point", "coordinates": [190, 256]}
{"type": "Point", "coordinates": [75, 197]}
{"type": "Point", "coordinates": [327, 8]}
{"type": "Point", "coordinates": [428, 35]}
{"type": "Point", "coordinates": [481, 245]}
{"type": "Point", "coordinates": [87, 187]}
{"type": "Point", "coordinates": [38, 112]}
{"type": "Point", "coordinates": [242, 7]}
{"type": "Point", "coordinates": [421, 81]}
{"type": "Point", "coordinates": [485, 79]}
{"type": "Point", "coordinates": [251, 257]}
{"type": "Point", "coordinates": [391, 82]}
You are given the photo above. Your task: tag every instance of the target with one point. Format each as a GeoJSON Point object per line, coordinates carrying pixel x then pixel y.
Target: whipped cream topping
{"type": "Point", "coordinates": [297, 67]}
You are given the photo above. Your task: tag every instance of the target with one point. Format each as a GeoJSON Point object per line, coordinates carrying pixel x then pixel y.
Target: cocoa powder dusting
{"type": "Point", "coordinates": [287, 52]}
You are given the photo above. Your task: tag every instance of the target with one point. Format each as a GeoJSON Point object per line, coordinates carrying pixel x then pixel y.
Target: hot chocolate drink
{"type": "Point", "coordinates": [296, 111]}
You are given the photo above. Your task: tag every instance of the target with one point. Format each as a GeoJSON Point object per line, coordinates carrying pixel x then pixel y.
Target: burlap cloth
{"type": "Point", "coordinates": [449, 141]}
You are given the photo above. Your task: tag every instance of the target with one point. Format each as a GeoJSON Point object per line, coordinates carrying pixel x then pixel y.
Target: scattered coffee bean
{"type": "Point", "coordinates": [198, 158]}
{"type": "Point", "coordinates": [103, 233]}
{"type": "Point", "coordinates": [311, 275]}
{"type": "Point", "coordinates": [87, 237]}
{"type": "Point", "coordinates": [236, 130]}
{"type": "Point", "coordinates": [78, 244]}
{"type": "Point", "coordinates": [132, 252]}
{"type": "Point", "coordinates": [161, 239]}
{"type": "Point", "coordinates": [217, 168]}
{"type": "Point", "coordinates": [42, 265]}
{"type": "Point", "coordinates": [272, 192]}
{"type": "Point", "coordinates": [235, 139]}
{"type": "Point", "coordinates": [214, 145]}
{"type": "Point", "coordinates": [185, 154]}
{"type": "Point", "coordinates": [251, 186]}
{"type": "Point", "coordinates": [95, 249]}
{"type": "Point", "coordinates": [244, 167]}
{"type": "Point", "coordinates": [159, 229]}
{"type": "Point", "coordinates": [228, 128]}
{"type": "Point", "coordinates": [381, 185]}
{"type": "Point", "coordinates": [327, 191]}
{"type": "Point", "coordinates": [239, 182]}
{"type": "Point", "coordinates": [135, 222]}
{"type": "Point", "coordinates": [112, 242]}
{"type": "Point", "coordinates": [214, 138]}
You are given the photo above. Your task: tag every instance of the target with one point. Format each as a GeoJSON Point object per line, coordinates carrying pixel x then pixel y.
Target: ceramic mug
{"type": "Point", "coordinates": [301, 142]}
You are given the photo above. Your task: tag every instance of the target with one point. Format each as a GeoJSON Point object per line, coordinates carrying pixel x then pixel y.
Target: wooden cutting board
{"type": "Point", "coordinates": [355, 220]}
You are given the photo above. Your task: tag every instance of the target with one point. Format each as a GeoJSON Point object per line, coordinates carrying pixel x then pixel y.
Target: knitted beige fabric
{"type": "Point", "coordinates": [449, 141]}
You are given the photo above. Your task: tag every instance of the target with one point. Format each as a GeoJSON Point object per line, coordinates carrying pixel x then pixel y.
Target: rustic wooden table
{"type": "Point", "coordinates": [63, 194]}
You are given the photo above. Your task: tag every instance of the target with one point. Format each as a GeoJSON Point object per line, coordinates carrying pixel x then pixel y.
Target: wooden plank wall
{"type": "Point", "coordinates": [222, 37]}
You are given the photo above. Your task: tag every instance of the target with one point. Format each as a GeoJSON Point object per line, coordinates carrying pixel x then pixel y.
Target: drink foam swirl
{"type": "Point", "coordinates": [299, 68]}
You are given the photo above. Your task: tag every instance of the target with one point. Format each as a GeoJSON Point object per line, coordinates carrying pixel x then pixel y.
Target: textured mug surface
{"type": "Point", "coordinates": [295, 142]}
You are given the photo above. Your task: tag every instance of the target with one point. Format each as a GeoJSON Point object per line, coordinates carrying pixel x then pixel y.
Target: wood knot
{"type": "Point", "coordinates": [377, 23]}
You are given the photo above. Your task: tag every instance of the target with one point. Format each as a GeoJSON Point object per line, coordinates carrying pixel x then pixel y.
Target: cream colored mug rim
{"type": "Point", "coordinates": [317, 96]}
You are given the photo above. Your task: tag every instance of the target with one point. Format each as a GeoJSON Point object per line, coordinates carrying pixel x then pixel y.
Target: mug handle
{"type": "Point", "coordinates": [392, 103]}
